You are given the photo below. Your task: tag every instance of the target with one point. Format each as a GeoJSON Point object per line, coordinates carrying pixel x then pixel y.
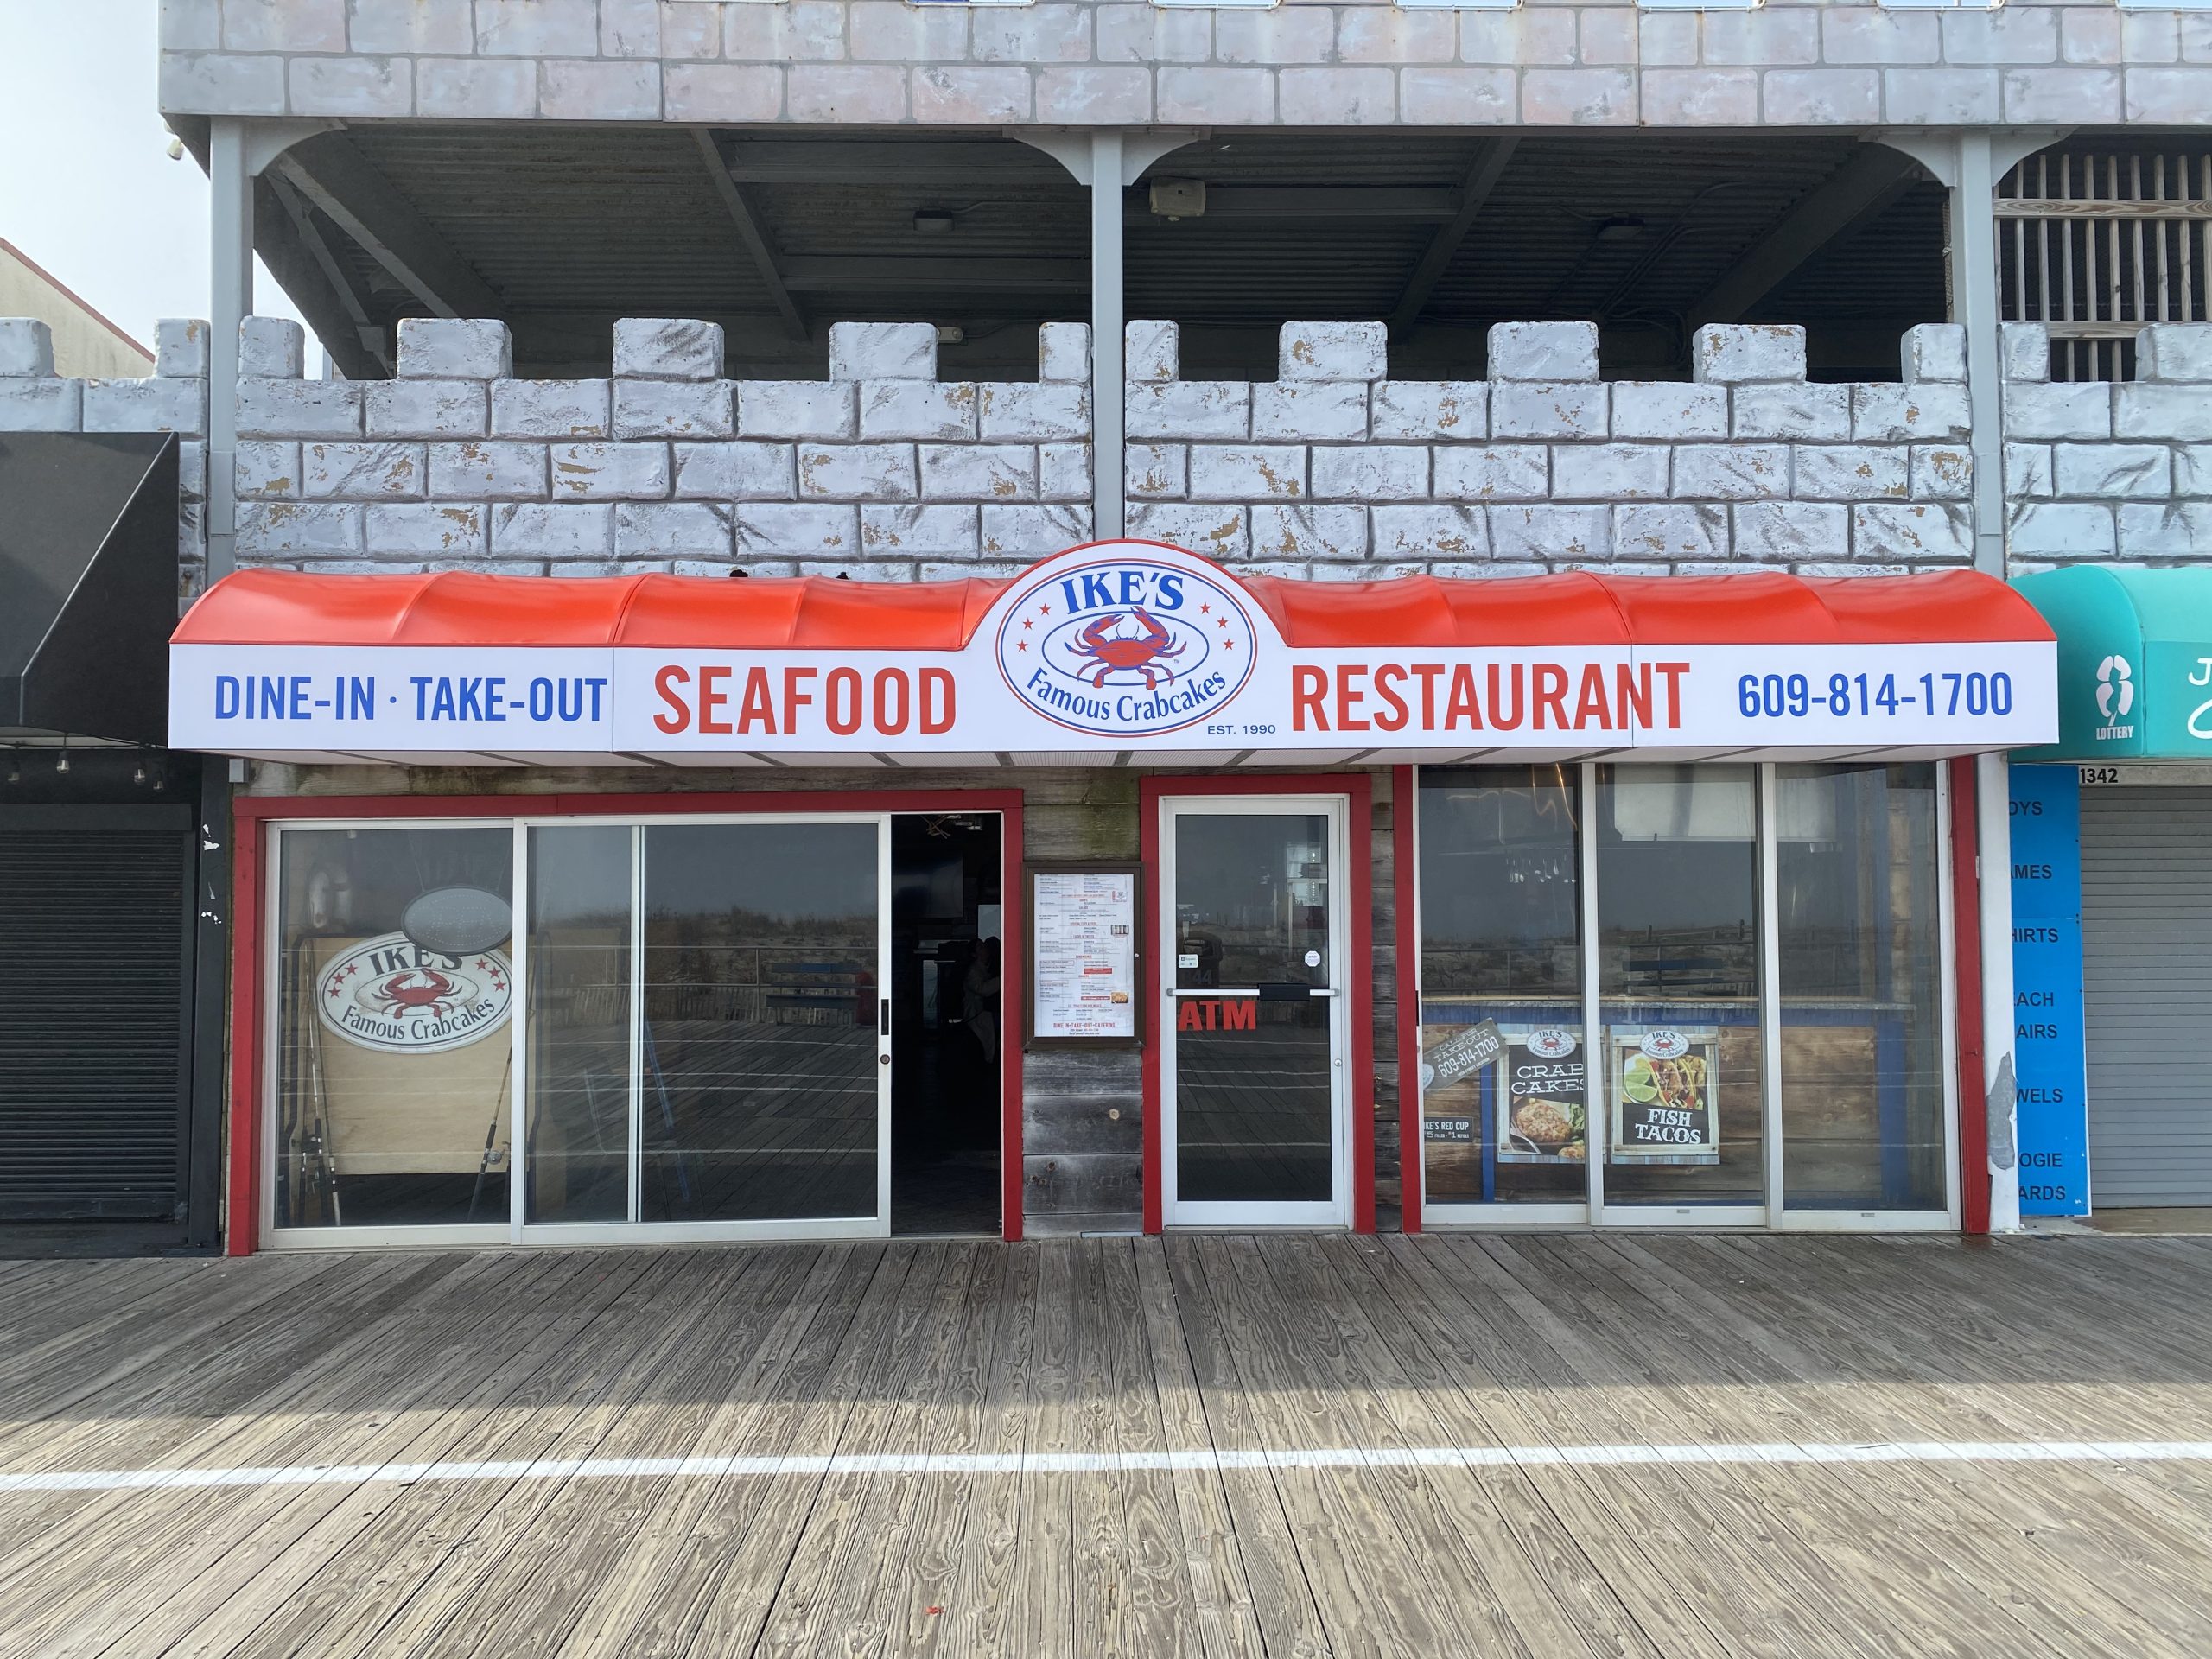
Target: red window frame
{"type": "Point", "coordinates": [1359, 838]}
{"type": "Point", "coordinates": [250, 879]}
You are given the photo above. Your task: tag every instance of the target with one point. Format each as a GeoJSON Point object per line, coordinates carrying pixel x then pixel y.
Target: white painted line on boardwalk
{"type": "Point", "coordinates": [1063, 1463]}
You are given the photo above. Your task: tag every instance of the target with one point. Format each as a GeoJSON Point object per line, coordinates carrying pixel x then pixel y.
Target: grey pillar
{"type": "Point", "coordinates": [1109, 515]}
{"type": "Point", "coordinates": [230, 301]}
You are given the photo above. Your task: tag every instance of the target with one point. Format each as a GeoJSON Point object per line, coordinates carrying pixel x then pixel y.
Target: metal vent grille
{"type": "Point", "coordinates": [2094, 243]}
{"type": "Point", "coordinates": [92, 1020]}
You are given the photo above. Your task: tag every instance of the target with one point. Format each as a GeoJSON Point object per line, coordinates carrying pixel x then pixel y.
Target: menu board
{"type": "Point", "coordinates": [1083, 983]}
{"type": "Point", "coordinates": [1664, 1109]}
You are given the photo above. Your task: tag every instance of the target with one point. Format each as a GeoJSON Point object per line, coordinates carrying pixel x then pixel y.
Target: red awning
{"type": "Point", "coordinates": [273, 607]}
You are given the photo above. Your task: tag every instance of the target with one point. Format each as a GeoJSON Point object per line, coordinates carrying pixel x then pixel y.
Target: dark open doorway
{"type": "Point", "coordinates": [947, 1033]}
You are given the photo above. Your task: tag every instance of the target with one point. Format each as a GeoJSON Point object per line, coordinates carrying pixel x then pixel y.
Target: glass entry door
{"type": "Point", "coordinates": [706, 1051]}
{"type": "Point", "coordinates": [1256, 1011]}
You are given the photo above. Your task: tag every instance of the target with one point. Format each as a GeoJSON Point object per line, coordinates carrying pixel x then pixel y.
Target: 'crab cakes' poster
{"type": "Point", "coordinates": [1664, 1109]}
{"type": "Point", "coordinates": [1540, 1111]}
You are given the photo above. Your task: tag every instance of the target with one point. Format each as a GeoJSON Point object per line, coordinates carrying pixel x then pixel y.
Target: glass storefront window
{"type": "Point", "coordinates": [1505, 1097]}
{"type": "Point", "coordinates": [1678, 984]}
{"type": "Point", "coordinates": [392, 999]}
{"type": "Point", "coordinates": [1862, 1053]}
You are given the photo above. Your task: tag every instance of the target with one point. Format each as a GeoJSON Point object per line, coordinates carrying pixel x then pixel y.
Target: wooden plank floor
{"type": "Point", "coordinates": [1563, 1444]}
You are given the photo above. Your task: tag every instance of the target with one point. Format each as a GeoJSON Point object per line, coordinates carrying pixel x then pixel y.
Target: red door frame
{"type": "Point", "coordinates": [1405, 942]}
{"type": "Point", "coordinates": [251, 812]}
{"type": "Point", "coordinates": [1151, 791]}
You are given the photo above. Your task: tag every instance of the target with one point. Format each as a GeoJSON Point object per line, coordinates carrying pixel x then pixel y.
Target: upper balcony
{"type": "Point", "coordinates": [1852, 64]}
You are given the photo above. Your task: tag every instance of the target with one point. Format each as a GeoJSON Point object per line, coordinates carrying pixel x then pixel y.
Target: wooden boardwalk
{"type": "Point", "coordinates": [1214, 1446]}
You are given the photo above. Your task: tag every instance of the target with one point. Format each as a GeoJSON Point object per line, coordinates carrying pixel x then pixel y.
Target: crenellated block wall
{"type": "Point", "coordinates": [1334, 470]}
{"type": "Point", "coordinates": [1337, 470]}
{"type": "Point", "coordinates": [2100, 470]}
{"type": "Point", "coordinates": [880, 472]}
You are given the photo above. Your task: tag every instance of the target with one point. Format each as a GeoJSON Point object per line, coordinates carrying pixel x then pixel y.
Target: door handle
{"type": "Point", "coordinates": [883, 1016]}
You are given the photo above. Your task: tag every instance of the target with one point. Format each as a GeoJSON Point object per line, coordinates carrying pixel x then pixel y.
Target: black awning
{"type": "Point", "coordinates": [88, 583]}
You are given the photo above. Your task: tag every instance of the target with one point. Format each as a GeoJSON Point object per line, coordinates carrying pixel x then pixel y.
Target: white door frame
{"type": "Point", "coordinates": [1336, 1211]}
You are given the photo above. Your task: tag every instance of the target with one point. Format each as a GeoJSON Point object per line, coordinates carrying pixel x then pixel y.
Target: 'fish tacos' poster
{"type": "Point", "coordinates": [1664, 1106]}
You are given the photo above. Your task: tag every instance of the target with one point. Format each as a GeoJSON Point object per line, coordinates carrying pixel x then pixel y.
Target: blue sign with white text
{"type": "Point", "coordinates": [2047, 1046]}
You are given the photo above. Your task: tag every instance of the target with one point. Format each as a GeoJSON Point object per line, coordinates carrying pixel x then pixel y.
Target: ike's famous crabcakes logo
{"type": "Point", "coordinates": [1126, 647]}
{"type": "Point", "coordinates": [388, 992]}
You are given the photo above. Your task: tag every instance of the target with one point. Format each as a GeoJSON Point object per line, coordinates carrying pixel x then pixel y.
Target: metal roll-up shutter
{"type": "Point", "coordinates": [95, 926]}
{"type": "Point", "coordinates": [2147, 972]}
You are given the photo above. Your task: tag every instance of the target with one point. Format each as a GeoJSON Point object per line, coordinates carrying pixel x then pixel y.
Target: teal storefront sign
{"type": "Point", "coordinates": [2134, 663]}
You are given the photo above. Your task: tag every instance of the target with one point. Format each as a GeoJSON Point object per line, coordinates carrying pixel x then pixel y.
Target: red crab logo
{"type": "Point", "coordinates": [434, 995]}
{"type": "Point", "coordinates": [1137, 653]}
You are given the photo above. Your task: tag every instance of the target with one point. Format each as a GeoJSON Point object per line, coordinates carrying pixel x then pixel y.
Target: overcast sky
{"type": "Point", "coordinates": [86, 187]}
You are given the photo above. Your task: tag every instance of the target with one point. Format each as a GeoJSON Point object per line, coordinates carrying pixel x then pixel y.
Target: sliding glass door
{"type": "Point", "coordinates": [579, 1031]}
{"type": "Point", "coordinates": [707, 1052]}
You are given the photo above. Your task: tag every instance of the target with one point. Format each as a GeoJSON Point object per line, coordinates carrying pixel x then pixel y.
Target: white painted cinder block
{"type": "Point", "coordinates": [1151, 351]}
{"type": "Point", "coordinates": [797, 409]}
{"type": "Point", "coordinates": [667, 348]}
{"type": "Point", "coordinates": [40, 404]}
{"type": "Point", "coordinates": [1917, 532]}
{"type": "Point", "coordinates": [180, 348]}
{"type": "Point", "coordinates": [919, 531]}
{"type": "Point", "coordinates": [1332, 351]}
{"type": "Point", "coordinates": [673, 408]}
{"type": "Point", "coordinates": [882, 351]}
{"type": "Point", "coordinates": [1329, 410]}
{"type": "Point", "coordinates": [1496, 472]}
{"type": "Point", "coordinates": [146, 405]}
{"type": "Point", "coordinates": [978, 471]}
{"type": "Point", "coordinates": [1732, 353]}
{"type": "Point", "coordinates": [427, 409]}
{"type": "Point", "coordinates": [1846, 472]}
{"type": "Point", "coordinates": [1557, 409]}
{"type": "Point", "coordinates": [364, 472]}
{"type": "Point", "coordinates": [274, 348]}
{"type": "Point", "coordinates": [1791, 409]}
{"type": "Point", "coordinates": [1370, 472]}
{"type": "Point", "coordinates": [1064, 352]}
{"type": "Point", "coordinates": [1677, 410]}
{"type": "Point", "coordinates": [740, 471]}
{"type": "Point", "coordinates": [1190, 409]}
{"type": "Point", "coordinates": [1933, 351]}
{"type": "Point", "coordinates": [1047, 410]}
{"type": "Point", "coordinates": [1610, 472]}
{"type": "Point", "coordinates": [455, 348]}
{"type": "Point", "coordinates": [1427, 410]}
{"type": "Point", "coordinates": [1429, 531]}
{"type": "Point", "coordinates": [1309, 532]}
{"type": "Point", "coordinates": [608, 471]}
{"type": "Point", "coordinates": [2175, 351]}
{"type": "Point", "coordinates": [857, 472]}
{"type": "Point", "coordinates": [942, 411]}
{"type": "Point", "coordinates": [1543, 351]}
{"type": "Point", "coordinates": [299, 409]}
{"type": "Point", "coordinates": [2024, 351]}
{"type": "Point", "coordinates": [26, 348]}
{"type": "Point", "coordinates": [548, 408]}
{"type": "Point", "coordinates": [1033, 532]}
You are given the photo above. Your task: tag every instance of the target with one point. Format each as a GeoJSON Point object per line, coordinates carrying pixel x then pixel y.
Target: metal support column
{"type": "Point", "coordinates": [1107, 393]}
{"type": "Point", "coordinates": [230, 301]}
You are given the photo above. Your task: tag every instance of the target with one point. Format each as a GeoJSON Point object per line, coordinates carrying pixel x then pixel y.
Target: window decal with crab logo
{"type": "Point", "coordinates": [388, 992]}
